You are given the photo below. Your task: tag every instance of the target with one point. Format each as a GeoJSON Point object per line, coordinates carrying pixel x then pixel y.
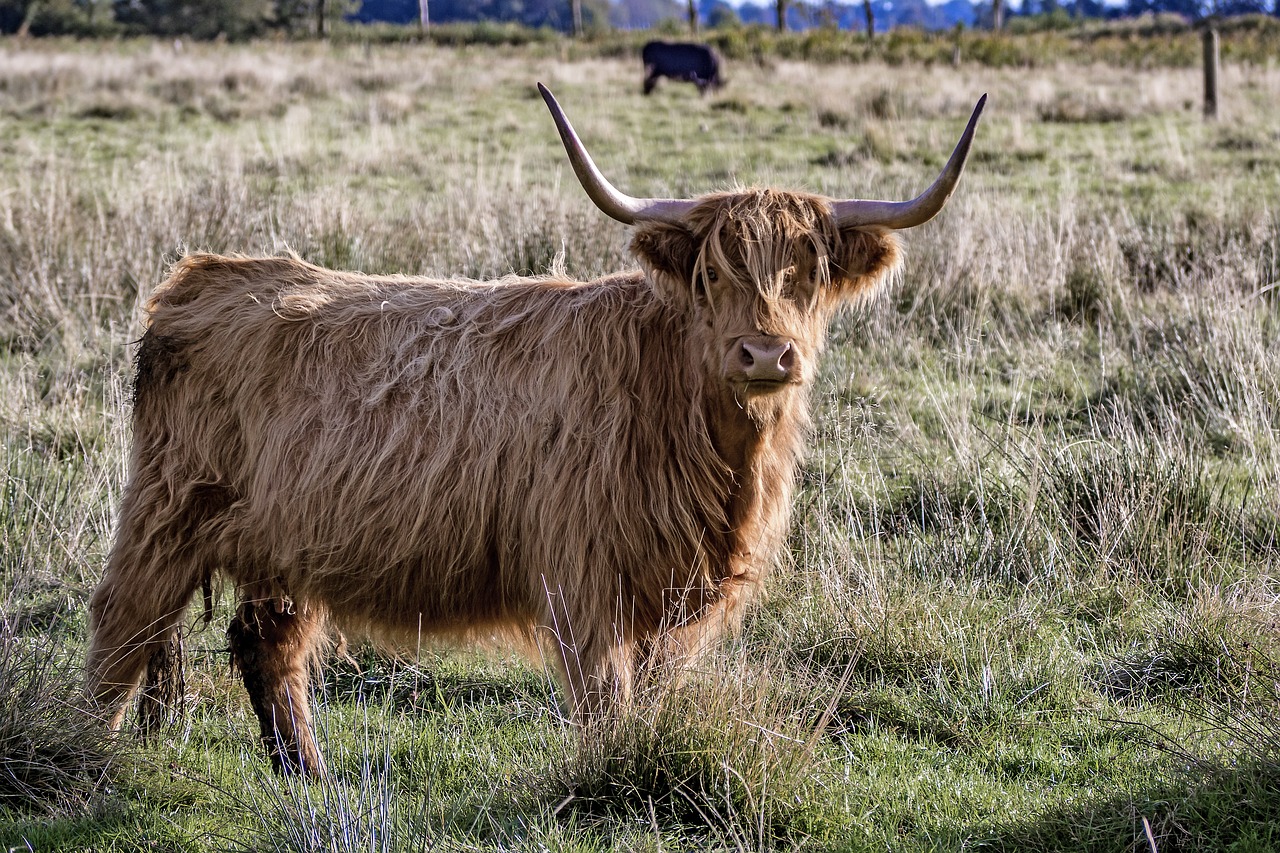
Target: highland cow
{"type": "Point", "coordinates": [603, 469]}
{"type": "Point", "coordinates": [698, 64]}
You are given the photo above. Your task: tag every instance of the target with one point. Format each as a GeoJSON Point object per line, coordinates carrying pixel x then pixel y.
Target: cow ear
{"type": "Point", "coordinates": [667, 253]}
{"type": "Point", "coordinates": [864, 261]}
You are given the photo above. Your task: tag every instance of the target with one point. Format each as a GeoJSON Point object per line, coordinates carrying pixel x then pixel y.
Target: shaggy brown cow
{"type": "Point", "coordinates": [602, 468]}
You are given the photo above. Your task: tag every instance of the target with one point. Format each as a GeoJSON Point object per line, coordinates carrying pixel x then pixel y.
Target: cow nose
{"type": "Point", "coordinates": [770, 361]}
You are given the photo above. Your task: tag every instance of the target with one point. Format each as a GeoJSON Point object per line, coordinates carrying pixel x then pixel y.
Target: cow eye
{"type": "Point", "coordinates": [703, 281]}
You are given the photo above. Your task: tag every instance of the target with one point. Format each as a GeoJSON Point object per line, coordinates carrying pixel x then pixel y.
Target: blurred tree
{"type": "Point", "coordinates": [233, 19]}
{"type": "Point", "coordinates": [12, 14]}
{"type": "Point", "coordinates": [318, 16]}
{"type": "Point", "coordinates": [720, 15]}
{"type": "Point", "coordinates": [57, 17]}
{"type": "Point", "coordinates": [642, 14]}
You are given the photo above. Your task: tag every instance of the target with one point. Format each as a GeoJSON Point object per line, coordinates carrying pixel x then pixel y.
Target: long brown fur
{"type": "Point", "coordinates": [532, 457]}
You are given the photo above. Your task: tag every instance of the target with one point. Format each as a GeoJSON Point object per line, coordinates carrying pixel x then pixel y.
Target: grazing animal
{"type": "Point", "coordinates": [603, 468]}
{"type": "Point", "coordinates": [696, 63]}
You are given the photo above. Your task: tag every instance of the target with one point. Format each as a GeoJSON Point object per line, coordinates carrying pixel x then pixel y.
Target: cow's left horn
{"type": "Point", "coordinates": [908, 214]}
{"type": "Point", "coordinates": [620, 206]}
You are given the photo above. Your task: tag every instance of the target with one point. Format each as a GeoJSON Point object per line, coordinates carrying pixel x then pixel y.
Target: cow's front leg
{"type": "Point", "coordinates": [594, 660]}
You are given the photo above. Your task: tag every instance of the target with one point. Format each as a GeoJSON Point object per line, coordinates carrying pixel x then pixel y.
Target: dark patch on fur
{"type": "Point", "coordinates": [551, 434]}
{"type": "Point", "coordinates": [158, 360]}
{"type": "Point", "coordinates": [205, 502]}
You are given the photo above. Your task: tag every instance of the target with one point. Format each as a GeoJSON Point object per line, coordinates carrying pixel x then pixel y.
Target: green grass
{"type": "Point", "coordinates": [1029, 596]}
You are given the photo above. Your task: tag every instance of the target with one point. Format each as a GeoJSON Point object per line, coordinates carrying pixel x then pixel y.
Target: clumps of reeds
{"type": "Point", "coordinates": [1156, 515]}
{"type": "Point", "coordinates": [1228, 687]}
{"type": "Point", "coordinates": [1234, 253]}
{"type": "Point", "coordinates": [54, 756]}
{"type": "Point", "coordinates": [334, 814]}
{"type": "Point", "coordinates": [1091, 294]}
{"type": "Point", "coordinates": [718, 759]}
{"type": "Point", "coordinates": [1198, 662]}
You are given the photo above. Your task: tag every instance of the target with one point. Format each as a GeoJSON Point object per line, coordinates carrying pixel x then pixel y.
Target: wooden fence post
{"type": "Point", "coordinates": [1210, 72]}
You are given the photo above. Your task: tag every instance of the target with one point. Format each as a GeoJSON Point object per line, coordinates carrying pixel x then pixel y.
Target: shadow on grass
{"type": "Point", "coordinates": [114, 825]}
{"type": "Point", "coordinates": [427, 689]}
{"type": "Point", "coordinates": [1234, 808]}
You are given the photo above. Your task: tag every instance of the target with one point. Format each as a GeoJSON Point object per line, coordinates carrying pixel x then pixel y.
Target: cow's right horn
{"type": "Point", "coordinates": [620, 206]}
{"type": "Point", "coordinates": [853, 213]}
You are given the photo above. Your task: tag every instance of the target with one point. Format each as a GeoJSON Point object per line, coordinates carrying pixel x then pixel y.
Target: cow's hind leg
{"type": "Point", "coordinates": [158, 561]}
{"type": "Point", "coordinates": [273, 644]}
{"type": "Point", "coordinates": [165, 685]}
{"type": "Point", "coordinates": [134, 616]}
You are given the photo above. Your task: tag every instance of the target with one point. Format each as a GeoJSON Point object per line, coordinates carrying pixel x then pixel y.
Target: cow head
{"type": "Point", "coordinates": [763, 269]}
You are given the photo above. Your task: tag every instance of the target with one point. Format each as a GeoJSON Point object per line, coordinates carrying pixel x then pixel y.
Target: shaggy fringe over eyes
{"type": "Point", "coordinates": [764, 227]}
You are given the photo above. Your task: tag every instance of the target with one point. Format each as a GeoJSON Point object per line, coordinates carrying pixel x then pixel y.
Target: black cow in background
{"type": "Point", "coordinates": [696, 63]}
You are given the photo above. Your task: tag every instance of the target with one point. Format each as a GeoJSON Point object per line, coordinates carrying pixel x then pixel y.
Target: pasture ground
{"type": "Point", "coordinates": [1030, 601]}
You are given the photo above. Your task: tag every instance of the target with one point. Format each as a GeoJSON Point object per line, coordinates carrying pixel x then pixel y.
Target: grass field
{"type": "Point", "coordinates": [1030, 600]}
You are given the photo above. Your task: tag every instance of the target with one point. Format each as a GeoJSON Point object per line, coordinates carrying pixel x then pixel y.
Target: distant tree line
{"type": "Point", "coordinates": [1192, 10]}
{"type": "Point", "coordinates": [201, 19]}
{"type": "Point", "coordinates": [556, 14]}
{"type": "Point", "coordinates": [240, 19]}
{"type": "Point", "coordinates": [799, 14]}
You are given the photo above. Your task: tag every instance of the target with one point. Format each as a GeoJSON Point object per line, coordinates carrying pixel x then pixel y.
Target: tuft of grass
{"type": "Point", "coordinates": [722, 759]}
{"type": "Point", "coordinates": [54, 757]}
{"type": "Point", "coordinates": [1158, 515]}
{"type": "Point", "coordinates": [1072, 108]}
{"type": "Point", "coordinates": [334, 814]}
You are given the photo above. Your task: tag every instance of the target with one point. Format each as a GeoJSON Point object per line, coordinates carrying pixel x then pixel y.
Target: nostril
{"type": "Point", "coordinates": [748, 360]}
{"type": "Point", "coordinates": [788, 358]}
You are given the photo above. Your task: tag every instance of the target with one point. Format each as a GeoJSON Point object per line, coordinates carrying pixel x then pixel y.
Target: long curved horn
{"type": "Point", "coordinates": [620, 206]}
{"type": "Point", "coordinates": [895, 215]}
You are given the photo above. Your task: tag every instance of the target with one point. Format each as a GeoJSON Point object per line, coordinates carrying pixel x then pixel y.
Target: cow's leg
{"type": "Point", "coordinates": [132, 622]}
{"type": "Point", "coordinates": [665, 656]}
{"type": "Point", "coordinates": [156, 564]}
{"type": "Point", "coordinates": [164, 686]}
{"type": "Point", "coordinates": [650, 79]}
{"type": "Point", "coordinates": [151, 574]}
{"type": "Point", "coordinates": [597, 670]}
{"type": "Point", "coordinates": [273, 644]}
